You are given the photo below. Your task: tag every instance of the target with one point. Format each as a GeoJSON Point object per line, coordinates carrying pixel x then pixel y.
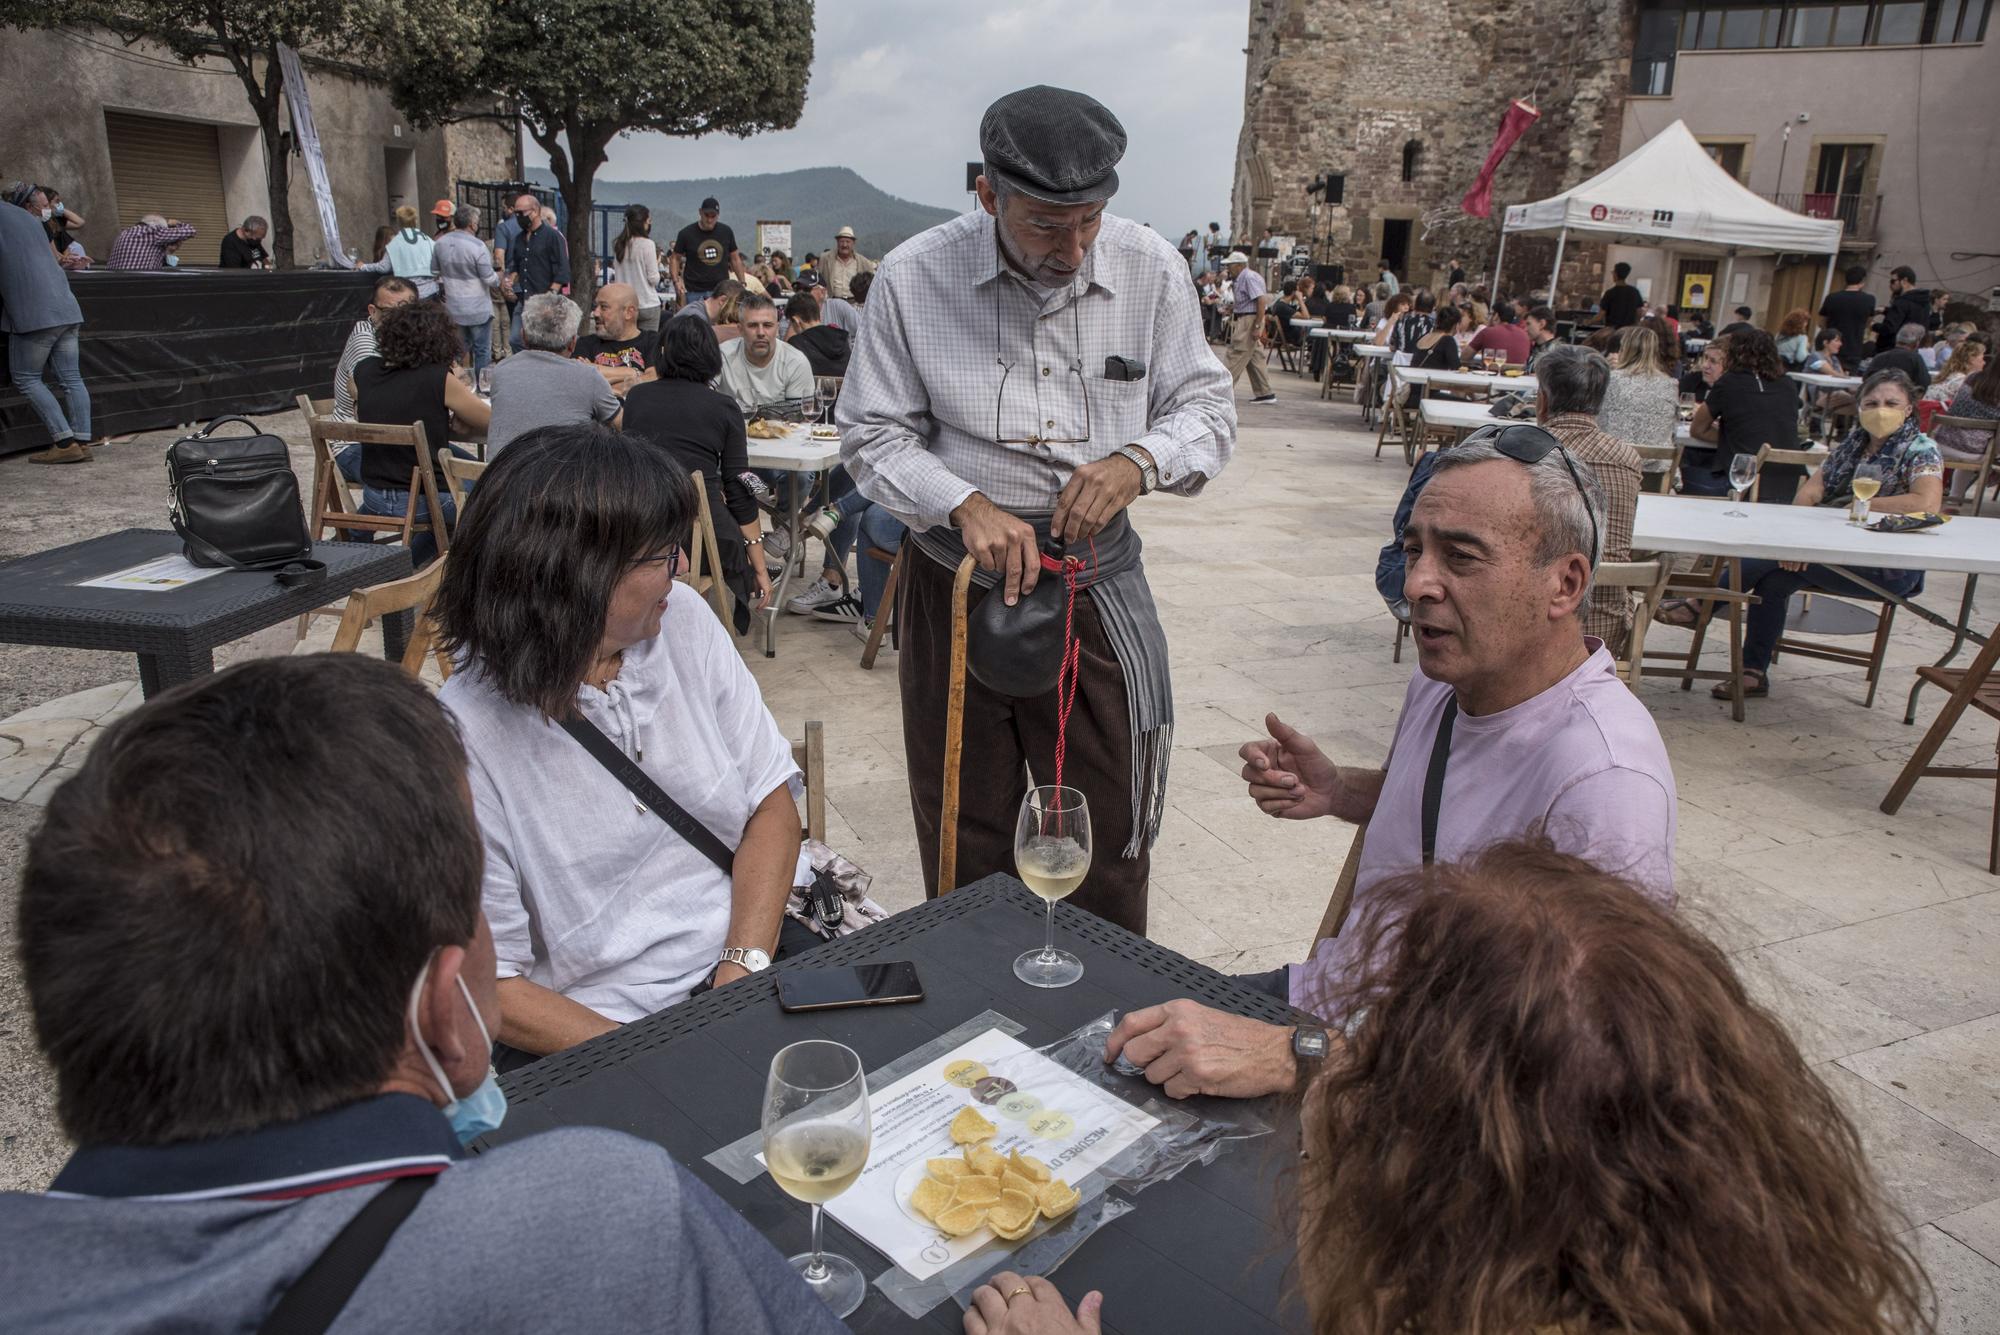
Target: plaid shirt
{"type": "Point", "coordinates": [143, 246]}
{"type": "Point", "coordinates": [1618, 470]}
{"type": "Point", "coordinates": [949, 328]}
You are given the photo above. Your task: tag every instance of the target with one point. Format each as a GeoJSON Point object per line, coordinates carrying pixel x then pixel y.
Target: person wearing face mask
{"type": "Point", "coordinates": [256, 1042]}
{"type": "Point", "coordinates": [1887, 439]}
{"type": "Point", "coordinates": [42, 321]}
{"type": "Point", "coordinates": [1030, 370]}
{"type": "Point", "coordinates": [147, 244]}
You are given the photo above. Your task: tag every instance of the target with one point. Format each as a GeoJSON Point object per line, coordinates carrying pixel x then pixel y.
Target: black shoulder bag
{"type": "Point", "coordinates": [236, 504]}
{"type": "Point", "coordinates": [316, 1299]}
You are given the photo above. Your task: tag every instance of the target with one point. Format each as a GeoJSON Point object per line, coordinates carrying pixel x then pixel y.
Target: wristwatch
{"type": "Point", "coordinates": [751, 958]}
{"type": "Point", "coordinates": [1149, 476]}
{"type": "Point", "coordinates": [1309, 1047]}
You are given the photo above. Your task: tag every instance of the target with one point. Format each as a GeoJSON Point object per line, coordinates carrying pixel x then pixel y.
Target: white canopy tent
{"type": "Point", "coordinates": [1668, 191]}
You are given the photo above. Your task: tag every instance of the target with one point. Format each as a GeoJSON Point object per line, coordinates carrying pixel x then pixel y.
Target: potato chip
{"type": "Point", "coordinates": [960, 1220]}
{"type": "Point", "coordinates": [1011, 1234]}
{"type": "Point", "coordinates": [985, 1162]}
{"type": "Point", "coordinates": [1013, 1181]}
{"type": "Point", "coordinates": [969, 1128]}
{"type": "Point", "coordinates": [947, 1171]}
{"type": "Point", "coordinates": [1057, 1198]}
{"type": "Point", "coordinates": [975, 1190]}
{"type": "Point", "coordinates": [1029, 1167]}
{"type": "Point", "coordinates": [1014, 1209]}
{"type": "Point", "coordinates": [931, 1198]}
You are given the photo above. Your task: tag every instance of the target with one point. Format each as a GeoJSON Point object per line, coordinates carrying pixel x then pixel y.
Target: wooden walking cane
{"type": "Point", "coordinates": [954, 734]}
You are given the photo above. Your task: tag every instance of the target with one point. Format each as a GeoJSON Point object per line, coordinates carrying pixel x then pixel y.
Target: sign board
{"type": "Point", "coordinates": [774, 236]}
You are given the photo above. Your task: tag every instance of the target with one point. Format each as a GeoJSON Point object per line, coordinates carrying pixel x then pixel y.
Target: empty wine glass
{"type": "Point", "coordinates": [816, 1139]}
{"type": "Point", "coordinates": [1052, 853]}
{"type": "Point", "coordinates": [1742, 472]}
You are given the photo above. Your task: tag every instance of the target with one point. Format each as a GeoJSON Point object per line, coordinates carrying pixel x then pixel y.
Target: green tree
{"type": "Point", "coordinates": [583, 72]}
{"type": "Point", "coordinates": [247, 33]}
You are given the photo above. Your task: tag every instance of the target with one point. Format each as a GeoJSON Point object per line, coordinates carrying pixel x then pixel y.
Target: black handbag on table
{"type": "Point", "coordinates": [236, 503]}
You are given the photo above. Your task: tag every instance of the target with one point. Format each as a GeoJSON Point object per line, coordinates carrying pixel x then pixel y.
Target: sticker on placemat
{"type": "Point", "coordinates": [924, 1230]}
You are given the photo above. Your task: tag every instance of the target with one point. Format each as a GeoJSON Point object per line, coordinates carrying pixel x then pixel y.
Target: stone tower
{"type": "Point", "coordinates": [1402, 98]}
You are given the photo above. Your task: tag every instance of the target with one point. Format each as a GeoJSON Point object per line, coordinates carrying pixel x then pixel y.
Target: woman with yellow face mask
{"type": "Point", "coordinates": [1886, 441]}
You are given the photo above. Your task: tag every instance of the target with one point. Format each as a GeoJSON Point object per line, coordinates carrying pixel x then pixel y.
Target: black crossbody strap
{"type": "Point", "coordinates": [317, 1297]}
{"type": "Point", "coordinates": [1434, 777]}
{"type": "Point", "coordinates": [650, 794]}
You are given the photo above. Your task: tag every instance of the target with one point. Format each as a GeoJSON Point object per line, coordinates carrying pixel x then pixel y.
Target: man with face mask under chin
{"type": "Point", "coordinates": [1031, 369]}
{"type": "Point", "coordinates": [264, 1027]}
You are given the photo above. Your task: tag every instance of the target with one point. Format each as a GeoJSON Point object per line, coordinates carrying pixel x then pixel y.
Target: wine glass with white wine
{"type": "Point", "coordinates": [1742, 473]}
{"type": "Point", "coordinates": [1052, 853]}
{"type": "Point", "coordinates": [1867, 481]}
{"type": "Point", "coordinates": [816, 1139]}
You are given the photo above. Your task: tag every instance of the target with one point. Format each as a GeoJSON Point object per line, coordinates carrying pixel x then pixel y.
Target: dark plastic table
{"type": "Point", "coordinates": [1205, 1251]}
{"type": "Point", "coordinates": [175, 633]}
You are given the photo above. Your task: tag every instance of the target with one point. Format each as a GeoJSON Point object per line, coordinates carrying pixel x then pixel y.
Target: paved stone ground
{"type": "Point", "coordinates": [1877, 938]}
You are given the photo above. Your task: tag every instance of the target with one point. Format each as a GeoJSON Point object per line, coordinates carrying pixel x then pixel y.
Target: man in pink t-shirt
{"type": "Point", "coordinates": [1543, 737]}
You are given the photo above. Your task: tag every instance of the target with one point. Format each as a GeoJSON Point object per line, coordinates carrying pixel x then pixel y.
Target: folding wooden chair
{"type": "Point", "coordinates": [885, 611]}
{"type": "Point", "coordinates": [327, 479]}
{"type": "Point", "coordinates": [1714, 580]}
{"type": "Point", "coordinates": [810, 757]}
{"type": "Point", "coordinates": [330, 496]}
{"type": "Point", "coordinates": [1670, 455]}
{"type": "Point", "coordinates": [1982, 468]}
{"type": "Point", "coordinates": [459, 475]}
{"type": "Point", "coordinates": [705, 561]}
{"type": "Point", "coordinates": [1395, 421]}
{"type": "Point", "coordinates": [1973, 685]}
{"type": "Point", "coordinates": [1770, 454]}
{"type": "Point", "coordinates": [412, 593]}
{"type": "Point", "coordinates": [1342, 899]}
{"type": "Point", "coordinates": [1650, 578]}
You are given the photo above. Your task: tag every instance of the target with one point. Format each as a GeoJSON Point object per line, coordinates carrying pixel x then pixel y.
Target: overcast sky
{"type": "Point", "coordinates": [898, 87]}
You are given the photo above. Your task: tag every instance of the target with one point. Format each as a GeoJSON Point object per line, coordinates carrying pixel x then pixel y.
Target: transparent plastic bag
{"type": "Point", "coordinates": [1181, 1137]}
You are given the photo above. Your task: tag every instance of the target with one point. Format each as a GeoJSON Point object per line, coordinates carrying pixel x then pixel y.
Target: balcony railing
{"type": "Point", "coordinates": [1857, 213]}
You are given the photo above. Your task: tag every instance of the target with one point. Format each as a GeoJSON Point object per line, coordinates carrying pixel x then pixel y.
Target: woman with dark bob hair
{"type": "Point", "coordinates": [408, 380]}
{"type": "Point", "coordinates": [1561, 1112]}
{"type": "Point", "coordinates": [703, 430]}
{"type": "Point", "coordinates": [558, 604]}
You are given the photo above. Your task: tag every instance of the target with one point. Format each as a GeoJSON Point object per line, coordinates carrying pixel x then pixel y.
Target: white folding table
{"type": "Point", "coordinates": [797, 454]}
{"type": "Point", "coordinates": [1818, 381]}
{"type": "Point", "coordinates": [1480, 380]}
{"type": "Point", "coordinates": [1704, 527]}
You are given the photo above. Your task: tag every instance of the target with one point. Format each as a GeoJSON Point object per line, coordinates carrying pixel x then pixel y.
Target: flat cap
{"type": "Point", "coordinates": [1052, 144]}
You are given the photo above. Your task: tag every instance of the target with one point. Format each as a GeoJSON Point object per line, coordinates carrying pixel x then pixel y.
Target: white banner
{"type": "Point", "coordinates": [307, 136]}
{"type": "Point", "coordinates": [774, 236]}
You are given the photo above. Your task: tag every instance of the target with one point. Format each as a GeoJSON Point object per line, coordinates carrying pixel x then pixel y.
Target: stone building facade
{"type": "Point", "coordinates": [1402, 98]}
{"type": "Point", "coordinates": [140, 132]}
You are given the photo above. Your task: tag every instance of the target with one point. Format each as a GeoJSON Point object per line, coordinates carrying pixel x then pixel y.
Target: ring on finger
{"type": "Point", "coordinates": [1012, 1294]}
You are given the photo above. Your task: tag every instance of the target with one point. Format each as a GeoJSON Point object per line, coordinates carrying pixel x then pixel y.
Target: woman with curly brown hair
{"type": "Point", "coordinates": [1561, 1114]}
{"type": "Point", "coordinates": [1753, 404]}
{"type": "Point", "coordinates": [408, 380]}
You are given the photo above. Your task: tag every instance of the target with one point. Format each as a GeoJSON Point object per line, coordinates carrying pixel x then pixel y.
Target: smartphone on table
{"type": "Point", "coordinates": [848, 985]}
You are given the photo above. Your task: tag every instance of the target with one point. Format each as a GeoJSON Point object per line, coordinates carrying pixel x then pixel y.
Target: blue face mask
{"type": "Point", "coordinates": [474, 1114]}
{"type": "Point", "coordinates": [173, 261]}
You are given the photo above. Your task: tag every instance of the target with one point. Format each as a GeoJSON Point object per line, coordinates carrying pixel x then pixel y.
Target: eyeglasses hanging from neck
{"type": "Point", "coordinates": [1007, 369]}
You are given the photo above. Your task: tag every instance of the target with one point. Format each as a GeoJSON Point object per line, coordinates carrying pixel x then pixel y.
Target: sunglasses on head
{"type": "Point", "coordinates": [1530, 445]}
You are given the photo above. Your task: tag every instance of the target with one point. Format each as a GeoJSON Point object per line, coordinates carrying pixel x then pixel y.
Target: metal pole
{"type": "Point", "coordinates": [1832, 259]}
{"type": "Point", "coordinates": [1494, 291]}
{"type": "Point", "coordinates": [1722, 287]}
{"type": "Point", "coordinates": [1561, 237]}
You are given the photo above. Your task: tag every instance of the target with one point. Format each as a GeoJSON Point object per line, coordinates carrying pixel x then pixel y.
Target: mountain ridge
{"type": "Point", "coordinates": [816, 200]}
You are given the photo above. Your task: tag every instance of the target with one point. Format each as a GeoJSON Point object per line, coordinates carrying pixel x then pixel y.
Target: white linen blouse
{"type": "Point", "coordinates": [586, 893]}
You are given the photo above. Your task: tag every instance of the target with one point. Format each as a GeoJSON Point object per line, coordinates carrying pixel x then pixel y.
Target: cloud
{"type": "Point", "coordinates": [898, 87]}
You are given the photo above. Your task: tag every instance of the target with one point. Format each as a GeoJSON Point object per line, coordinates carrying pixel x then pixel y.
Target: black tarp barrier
{"type": "Point", "coordinates": [159, 349]}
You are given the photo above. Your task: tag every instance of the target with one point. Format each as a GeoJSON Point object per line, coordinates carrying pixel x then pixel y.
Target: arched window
{"type": "Point", "coordinates": [1413, 154]}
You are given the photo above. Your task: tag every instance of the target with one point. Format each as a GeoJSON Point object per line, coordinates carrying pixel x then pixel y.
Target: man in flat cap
{"type": "Point", "coordinates": [1028, 369]}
